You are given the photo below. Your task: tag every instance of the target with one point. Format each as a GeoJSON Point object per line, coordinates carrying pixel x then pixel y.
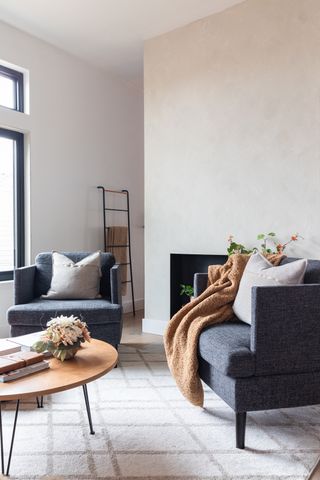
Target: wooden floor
{"type": "Point", "coordinates": [316, 473]}
{"type": "Point", "coordinates": [132, 333]}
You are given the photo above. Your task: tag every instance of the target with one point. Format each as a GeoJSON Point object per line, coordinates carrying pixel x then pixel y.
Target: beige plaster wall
{"type": "Point", "coordinates": [232, 135]}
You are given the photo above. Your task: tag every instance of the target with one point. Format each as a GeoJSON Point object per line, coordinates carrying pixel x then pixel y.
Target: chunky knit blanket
{"type": "Point", "coordinates": [214, 305]}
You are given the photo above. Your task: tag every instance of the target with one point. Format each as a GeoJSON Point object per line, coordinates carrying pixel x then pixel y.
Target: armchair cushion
{"type": "Point", "coordinates": [39, 312]}
{"type": "Point", "coordinates": [226, 347]}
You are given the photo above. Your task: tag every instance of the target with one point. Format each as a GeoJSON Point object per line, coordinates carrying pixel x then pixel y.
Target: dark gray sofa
{"type": "Point", "coordinates": [31, 313]}
{"type": "Point", "coordinates": [275, 362]}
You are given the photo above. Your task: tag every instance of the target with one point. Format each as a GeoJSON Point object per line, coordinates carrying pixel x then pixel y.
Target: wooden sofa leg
{"type": "Point", "coordinates": [240, 429]}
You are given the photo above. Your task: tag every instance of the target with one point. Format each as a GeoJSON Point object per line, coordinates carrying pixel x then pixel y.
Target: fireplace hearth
{"type": "Point", "coordinates": [183, 266]}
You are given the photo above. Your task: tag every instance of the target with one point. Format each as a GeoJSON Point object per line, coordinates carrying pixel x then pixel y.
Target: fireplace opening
{"type": "Point", "coordinates": [183, 266]}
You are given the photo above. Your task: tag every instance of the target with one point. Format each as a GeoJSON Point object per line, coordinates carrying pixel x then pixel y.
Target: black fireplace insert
{"type": "Point", "coordinates": [183, 266]}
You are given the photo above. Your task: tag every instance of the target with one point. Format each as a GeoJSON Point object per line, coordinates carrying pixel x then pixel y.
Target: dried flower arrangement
{"type": "Point", "coordinates": [63, 337]}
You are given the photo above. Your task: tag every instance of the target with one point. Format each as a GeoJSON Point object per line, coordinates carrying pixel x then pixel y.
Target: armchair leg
{"type": "Point", "coordinates": [241, 418]}
{"type": "Point", "coordinates": [117, 348]}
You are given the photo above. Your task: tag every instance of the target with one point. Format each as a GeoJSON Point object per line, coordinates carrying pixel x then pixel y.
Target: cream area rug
{"type": "Point", "coordinates": [145, 430]}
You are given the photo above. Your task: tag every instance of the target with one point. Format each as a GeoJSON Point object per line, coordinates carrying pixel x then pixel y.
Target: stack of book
{"type": "Point", "coordinates": [15, 363]}
{"type": "Point", "coordinates": [25, 342]}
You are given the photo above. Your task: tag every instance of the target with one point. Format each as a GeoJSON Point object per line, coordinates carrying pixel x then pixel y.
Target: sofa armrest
{"type": "Point", "coordinates": [24, 284]}
{"type": "Point", "coordinates": [285, 329]}
{"type": "Point", "coordinates": [115, 283]}
{"type": "Point", "coordinates": [200, 283]}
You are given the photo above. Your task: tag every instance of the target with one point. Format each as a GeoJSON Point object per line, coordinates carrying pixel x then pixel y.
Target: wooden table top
{"type": "Point", "coordinates": [92, 361]}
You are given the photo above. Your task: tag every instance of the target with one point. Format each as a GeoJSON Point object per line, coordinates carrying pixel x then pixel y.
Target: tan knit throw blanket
{"type": "Point", "coordinates": [214, 305]}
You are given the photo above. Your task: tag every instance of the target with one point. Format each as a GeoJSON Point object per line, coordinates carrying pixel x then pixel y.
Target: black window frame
{"type": "Point", "coordinates": [19, 204]}
{"type": "Point", "coordinates": [17, 78]}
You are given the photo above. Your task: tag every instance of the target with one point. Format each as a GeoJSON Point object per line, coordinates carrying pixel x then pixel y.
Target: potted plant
{"type": "Point", "coordinates": [187, 290]}
{"type": "Point", "coordinates": [270, 244]}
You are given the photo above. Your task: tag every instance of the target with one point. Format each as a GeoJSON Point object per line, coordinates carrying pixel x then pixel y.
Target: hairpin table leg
{"type": "Point", "coordinates": [86, 398]}
{"type": "Point", "coordinates": [40, 402]}
{"type": "Point", "coordinates": [12, 438]}
{"type": "Point", "coordinates": [1, 442]}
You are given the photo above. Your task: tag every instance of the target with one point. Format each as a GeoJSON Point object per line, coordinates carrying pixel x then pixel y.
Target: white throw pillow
{"type": "Point", "coordinates": [74, 280]}
{"type": "Point", "coordinates": [260, 272]}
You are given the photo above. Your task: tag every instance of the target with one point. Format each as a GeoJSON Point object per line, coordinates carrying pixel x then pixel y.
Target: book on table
{"type": "Point", "coordinates": [20, 364]}
{"type": "Point", "coordinates": [19, 360]}
{"type": "Point", "coordinates": [27, 341]}
{"type": "Point", "coordinates": [7, 347]}
{"type": "Point", "coordinates": [24, 371]}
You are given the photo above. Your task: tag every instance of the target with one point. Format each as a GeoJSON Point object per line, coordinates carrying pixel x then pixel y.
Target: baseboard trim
{"type": "Point", "coordinates": [150, 325]}
{"type": "Point", "coordinates": [127, 305]}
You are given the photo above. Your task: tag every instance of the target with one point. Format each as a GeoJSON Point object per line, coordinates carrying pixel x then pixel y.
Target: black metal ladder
{"type": "Point", "coordinates": [106, 225]}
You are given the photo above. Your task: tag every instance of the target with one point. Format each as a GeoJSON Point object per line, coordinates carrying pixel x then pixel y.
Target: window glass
{"type": "Point", "coordinates": [11, 89]}
{"type": "Point", "coordinates": [11, 202]}
{"type": "Point", "coordinates": [7, 92]}
{"type": "Point", "coordinates": [7, 153]}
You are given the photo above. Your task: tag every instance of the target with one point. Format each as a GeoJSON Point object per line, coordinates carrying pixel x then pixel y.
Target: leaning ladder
{"type": "Point", "coordinates": [105, 210]}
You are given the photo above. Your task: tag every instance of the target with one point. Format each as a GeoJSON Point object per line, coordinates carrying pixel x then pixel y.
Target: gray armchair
{"type": "Point", "coordinates": [31, 313]}
{"type": "Point", "coordinates": [275, 362]}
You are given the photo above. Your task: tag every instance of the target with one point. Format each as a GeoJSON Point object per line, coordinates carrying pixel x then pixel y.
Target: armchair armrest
{"type": "Point", "coordinates": [24, 284]}
{"type": "Point", "coordinates": [285, 329]}
{"type": "Point", "coordinates": [115, 283]}
{"type": "Point", "coordinates": [200, 283]}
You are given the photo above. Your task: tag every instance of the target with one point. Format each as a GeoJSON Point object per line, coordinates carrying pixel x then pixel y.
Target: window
{"type": "Point", "coordinates": [11, 88]}
{"type": "Point", "coordinates": [11, 202]}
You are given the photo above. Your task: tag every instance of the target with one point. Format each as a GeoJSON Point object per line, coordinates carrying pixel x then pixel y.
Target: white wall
{"type": "Point", "coordinates": [232, 142]}
{"type": "Point", "coordinates": [85, 129]}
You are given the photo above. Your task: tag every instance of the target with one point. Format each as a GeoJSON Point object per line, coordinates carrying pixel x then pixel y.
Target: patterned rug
{"type": "Point", "coordinates": [146, 430]}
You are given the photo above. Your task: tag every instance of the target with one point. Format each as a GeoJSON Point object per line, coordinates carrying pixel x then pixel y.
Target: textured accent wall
{"type": "Point", "coordinates": [232, 135]}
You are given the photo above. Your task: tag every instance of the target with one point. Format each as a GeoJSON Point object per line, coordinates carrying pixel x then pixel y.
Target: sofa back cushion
{"type": "Point", "coordinates": [43, 273]}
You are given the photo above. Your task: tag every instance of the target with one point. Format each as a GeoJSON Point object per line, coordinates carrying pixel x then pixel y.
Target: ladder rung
{"type": "Point", "coordinates": [123, 263]}
{"type": "Point", "coordinates": [123, 192]}
{"type": "Point", "coordinates": [116, 209]}
{"type": "Point", "coordinates": [115, 191]}
{"type": "Point", "coordinates": [120, 246]}
{"type": "Point", "coordinates": [127, 281]}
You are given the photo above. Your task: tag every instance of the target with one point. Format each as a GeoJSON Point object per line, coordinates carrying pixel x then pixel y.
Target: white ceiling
{"type": "Point", "coordinates": [106, 33]}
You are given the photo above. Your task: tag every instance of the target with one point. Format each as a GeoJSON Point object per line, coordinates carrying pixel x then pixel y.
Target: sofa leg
{"type": "Point", "coordinates": [240, 429]}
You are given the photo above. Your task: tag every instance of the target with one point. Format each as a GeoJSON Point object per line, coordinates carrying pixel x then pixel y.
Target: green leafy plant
{"type": "Point", "coordinates": [235, 247]}
{"type": "Point", "coordinates": [267, 238]}
{"type": "Point", "coordinates": [270, 244]}
{"type": "Point", "coordinates": [186, 290]}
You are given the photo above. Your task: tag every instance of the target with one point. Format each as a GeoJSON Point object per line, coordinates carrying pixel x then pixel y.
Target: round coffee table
{"type": "Point", "coordinates": [93, 360]}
